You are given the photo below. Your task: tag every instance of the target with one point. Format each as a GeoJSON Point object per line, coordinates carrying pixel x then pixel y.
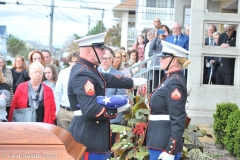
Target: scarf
{"type": "Point", "coordinates": [33, 102]}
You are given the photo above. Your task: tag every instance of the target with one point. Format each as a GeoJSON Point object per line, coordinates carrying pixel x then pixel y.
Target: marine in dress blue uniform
{"type": "Point", "coordinates": [167, 104]}
{"type": "Point", "coordinates": [92, 126]}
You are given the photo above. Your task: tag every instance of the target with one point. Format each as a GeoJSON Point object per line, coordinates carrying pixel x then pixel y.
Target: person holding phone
{"type": "Point", "coordinates": [156, 48]}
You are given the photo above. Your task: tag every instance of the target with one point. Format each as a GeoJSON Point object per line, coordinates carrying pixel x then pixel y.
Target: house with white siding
{"type": "Point", "coordinates": [3, 40]}
{"type": "Point", "coordinates": [137, 16]}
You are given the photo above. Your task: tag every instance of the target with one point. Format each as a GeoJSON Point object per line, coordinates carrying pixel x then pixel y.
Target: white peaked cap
{"type": "Point", "coordinates": [93, 40]}
{"type": "Point", "coordinates": [170, 49]}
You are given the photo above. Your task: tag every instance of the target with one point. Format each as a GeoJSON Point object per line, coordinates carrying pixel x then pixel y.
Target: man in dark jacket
{"type": "Point", "coordinates": [225, 66]}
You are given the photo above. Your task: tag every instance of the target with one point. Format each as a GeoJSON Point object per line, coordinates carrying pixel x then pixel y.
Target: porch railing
{"type": "Point", "coordinates": [165, 14]}
{"type": "Point", "coordinates": [146, 69]}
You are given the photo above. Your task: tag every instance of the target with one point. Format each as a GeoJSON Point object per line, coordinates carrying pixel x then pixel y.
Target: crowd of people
{"type": "Point", "coordinates": [220, 70]}
{"type": "Point", "coordinates": [67, 97]}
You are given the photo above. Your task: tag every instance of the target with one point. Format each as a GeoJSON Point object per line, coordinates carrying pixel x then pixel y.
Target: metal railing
{"type": "Point", "coordinates": [147, 70]}
{"type": "Point", "coordinates": [165, 14]}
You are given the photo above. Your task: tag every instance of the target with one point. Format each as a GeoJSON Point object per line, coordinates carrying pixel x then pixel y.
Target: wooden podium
{"type": "Point", "coordinates": [23, 140]}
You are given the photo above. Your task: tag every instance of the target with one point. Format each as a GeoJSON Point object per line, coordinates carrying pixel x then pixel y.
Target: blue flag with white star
{"type": "Point", "coordinates": [113, 101]}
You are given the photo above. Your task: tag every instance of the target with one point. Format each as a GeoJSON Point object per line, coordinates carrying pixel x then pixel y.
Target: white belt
{"type": "Point", "coordinates": [159, 117]}
{"type": "Point", "coordinates": [77, 113]}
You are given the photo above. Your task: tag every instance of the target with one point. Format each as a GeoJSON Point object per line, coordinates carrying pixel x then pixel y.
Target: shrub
{"type": "Point", "coordinates": [220, 120]}
{"type": "Point", "coordinates": [231, 129]}
{"type": "Point", "coordinates": [9, 62]}
{"type": "Point", "coordinates": [237, 142]}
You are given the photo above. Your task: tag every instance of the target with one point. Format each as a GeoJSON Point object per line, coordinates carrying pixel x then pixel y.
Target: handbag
{"type": "Point", "coordinates": [28, 114]}
{"type": "Point", "coordinates": [24, 115]}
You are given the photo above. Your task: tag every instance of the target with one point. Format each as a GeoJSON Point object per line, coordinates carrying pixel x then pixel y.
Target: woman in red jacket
{"type": "Point", "coordinates": [36, 94]}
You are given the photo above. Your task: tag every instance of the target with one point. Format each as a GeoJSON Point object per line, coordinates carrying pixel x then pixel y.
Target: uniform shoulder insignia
{"type": "Point", "coordinates": [176, 95]}
{"type": "Point", "coordinates": [89, 88]}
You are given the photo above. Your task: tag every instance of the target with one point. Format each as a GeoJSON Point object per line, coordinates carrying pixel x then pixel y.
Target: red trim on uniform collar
{"type": "Point", "coordinates": [88, 63]}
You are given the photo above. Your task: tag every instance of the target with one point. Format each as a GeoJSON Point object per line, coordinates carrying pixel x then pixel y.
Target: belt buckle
{"type": "Point", "coordinates": [63, 107]}
{"type": "Point", "coordinates": [66, 108]}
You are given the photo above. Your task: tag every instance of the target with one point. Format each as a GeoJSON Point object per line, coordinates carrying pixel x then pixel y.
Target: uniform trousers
{"type": "Point", "coordinates": [154, 154]}
{"type": "Point", "coordinates": [64, 118]}
{"type": "Point", "coordinates": [95, 156]}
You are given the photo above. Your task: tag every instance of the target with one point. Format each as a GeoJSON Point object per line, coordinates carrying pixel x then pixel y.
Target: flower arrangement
{"type": "Point", "coordinates": [132, 134]}
{"type": "Point", "coordinates": [130, 145]}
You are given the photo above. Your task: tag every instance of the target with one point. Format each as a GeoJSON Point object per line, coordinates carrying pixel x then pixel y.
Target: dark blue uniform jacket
{"type": "Point", "coordinates": [92, 129]}
{"type": "Point", "coordinates": [169, 98]}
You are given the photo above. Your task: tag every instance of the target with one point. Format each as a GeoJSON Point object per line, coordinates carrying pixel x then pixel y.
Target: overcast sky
{"type": "Point", "coordinates": [30, 19]}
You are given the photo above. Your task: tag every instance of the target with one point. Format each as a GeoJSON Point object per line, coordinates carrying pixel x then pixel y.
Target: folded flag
{"type": "Point", "coordinates": [113, 101]}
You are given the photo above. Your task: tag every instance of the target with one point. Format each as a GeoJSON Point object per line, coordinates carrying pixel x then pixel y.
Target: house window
{"type": "Point", "coordinates": [162, 3]}
{"type": "Point", "coordinates": [151, 3]}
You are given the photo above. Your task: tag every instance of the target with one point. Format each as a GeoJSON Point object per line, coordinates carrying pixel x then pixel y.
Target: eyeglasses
{"type": "Point", "coordinates": [117, 57]}
{"type": "Point", "coordinates": [124, 55]}
{"type": "Point", "coordinates": [106, 59]}
{"type": "Point", "coordinates": [157, 21]}
{"type": "Point", "coordinates": [228, 30]}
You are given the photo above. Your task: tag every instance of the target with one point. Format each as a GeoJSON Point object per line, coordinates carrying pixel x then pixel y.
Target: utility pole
{"type": "Point", "coordinates": [51, 27]}
{"type": "Point", "coordinates": [102, 19]}
{"type": "Point", "coordinates": [96, 9]}
{"type": "Point", "coordinates": [89, 22]}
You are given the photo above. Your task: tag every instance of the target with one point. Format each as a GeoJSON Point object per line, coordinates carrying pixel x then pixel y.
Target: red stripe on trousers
{"type": "Point", "coordinates": [86, 155]}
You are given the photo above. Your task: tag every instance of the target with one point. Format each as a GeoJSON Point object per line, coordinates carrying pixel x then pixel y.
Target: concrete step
{"type": "Point", "coordinates": [201, 116]}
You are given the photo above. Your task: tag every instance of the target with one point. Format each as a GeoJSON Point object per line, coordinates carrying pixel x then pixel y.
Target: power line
{"type": "Point", "coordinates": [75, 7]}
{"type": "Point", "coordinates": [90, 10]}
{"type": "Point", "coordinates": [38, 2]}
{"type": "Point", "coordinates": [107, 3]}
{"type": "Point", "coordinates": [33, 10]}
{"type": "Point", "coordinates": [89, 2]}
{"type": "Point", "coordinates": [64, 15]}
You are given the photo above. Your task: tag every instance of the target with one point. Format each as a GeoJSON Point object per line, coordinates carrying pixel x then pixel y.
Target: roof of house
{"type": "Point", "coordinates": [3, 30]}
{"type": "Point", "coordinates": [36, 45]}
{"type": "Point", "coordinates": [127, 5]}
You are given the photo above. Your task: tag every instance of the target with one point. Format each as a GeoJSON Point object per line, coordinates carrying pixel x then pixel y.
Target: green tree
{"type": "Point", "coordinates": [113, 36]}
{"type": "Point", "coordinates": [16, 46]}
{"type": "Point", "coordinates": [70, 45]}
{"type": "Point", "coordinates": [99, 28]}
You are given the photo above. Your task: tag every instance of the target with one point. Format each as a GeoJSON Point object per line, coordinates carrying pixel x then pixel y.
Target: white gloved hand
{"type": "Point", "coordinates": [166, 156]}
{"type": "Point", "coordinates": [123, 108]}
{"type": "Point", "coordinates": [139, 81]}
